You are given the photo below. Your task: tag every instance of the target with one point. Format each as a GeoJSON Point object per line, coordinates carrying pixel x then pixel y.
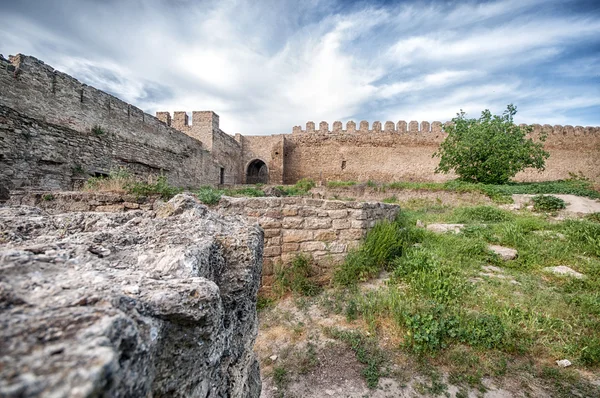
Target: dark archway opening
{"type": "Point", "coordinates": [257, 172]}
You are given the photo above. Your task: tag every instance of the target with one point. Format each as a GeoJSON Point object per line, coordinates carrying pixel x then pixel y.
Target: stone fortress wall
{"type": "Point", "coordinates": [49, 136]}
{"type": "Point", "coordinates": [49, 140]}
{"type": "Point", "coordinates": [403, 151]}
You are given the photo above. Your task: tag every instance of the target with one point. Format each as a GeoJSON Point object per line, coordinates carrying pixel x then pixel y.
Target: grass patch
{"type": "Point", "coordinates": [502, 193]}
{"type": "Point", "coordinates": [297, 278]}
{"type": "Point", "coordinates": [121, 180]}
{"type": "Point", "coordinates": [366, 350]}
{"type": "Point", "coordinates": [384, 242]}
{"type": "Point", "coordinates": [341, 184]}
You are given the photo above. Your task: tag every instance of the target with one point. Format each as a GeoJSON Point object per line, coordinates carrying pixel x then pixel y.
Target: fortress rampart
{"type": "Point", "coordinates": [402, 150]}
{"type": "Point", "coordinates": [56, 131]}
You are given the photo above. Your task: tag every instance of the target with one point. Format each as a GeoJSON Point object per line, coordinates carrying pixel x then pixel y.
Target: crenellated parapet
{"type": "Point", "coordinates": [389, 127]}
{"type": "Point", "coordinates": [424, 127]}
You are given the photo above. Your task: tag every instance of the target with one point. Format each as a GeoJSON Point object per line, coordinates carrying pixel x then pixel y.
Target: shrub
{"type": "Point", "coordinates": [429, 329]}
{"type": "Point", "coordinates": [159, 187]}
{"type": "Point", "coordinates": [47, 197]}
{"type": "Point", "coordinates": [296, 277]}
{"type": "Point", "coordinates": [547, 203]}
{"type": "Point", "coordinates": [116, 181]}
{"type": "Point", "coordinates": [305, 184]}
{"type": "Point", "coordinates": [483, 214]}
{"type": "Point", "coordinates": [98, 130]}
{"type": "Point", "coordinates": [590, 354]}
{"type": "Point", "coordinates": [491, 149]}
{"type": "Point", "coordinates": [486, 331]}
{"type": "Point", "coordinates": [209, 195]}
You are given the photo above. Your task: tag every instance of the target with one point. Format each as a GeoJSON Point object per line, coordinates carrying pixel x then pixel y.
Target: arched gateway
{"type": "Point", "coordinates": [257, 172]}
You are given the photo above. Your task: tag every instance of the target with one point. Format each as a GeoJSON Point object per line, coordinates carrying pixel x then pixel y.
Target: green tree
{"type": "Point", "coordinates": [491, 149]}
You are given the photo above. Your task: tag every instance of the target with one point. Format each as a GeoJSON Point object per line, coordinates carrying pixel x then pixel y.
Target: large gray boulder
{"type": "Point", "coordinates": [132, 304]}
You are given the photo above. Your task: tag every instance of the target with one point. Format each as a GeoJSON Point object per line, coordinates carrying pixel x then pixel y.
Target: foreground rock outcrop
{"type": "Point", "coordinates": [132, 304]}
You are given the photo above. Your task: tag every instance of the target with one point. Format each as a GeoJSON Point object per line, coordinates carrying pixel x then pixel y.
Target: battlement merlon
{"type": "Point", "coordinates": [201, 120]}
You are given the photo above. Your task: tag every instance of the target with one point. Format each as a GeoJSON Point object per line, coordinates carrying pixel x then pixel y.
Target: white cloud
{"type": "Point", "coordinates": [266, 66]}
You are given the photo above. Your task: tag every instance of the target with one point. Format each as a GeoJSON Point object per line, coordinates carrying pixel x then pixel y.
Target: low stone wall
{"type": "Point", "coordinates": [324, 229]}
{"type": "Point", "coordinates": [63, 202]}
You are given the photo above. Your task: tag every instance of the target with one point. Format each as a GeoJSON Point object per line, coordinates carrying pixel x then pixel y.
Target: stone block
{"type": "Point", "coordinates": [131, 205]}
{"type": "Point", "coordinates": [313, 202]}
{"type": "Point", "coordinates": [269, 233]}
{"type": "Point", "coordinates": [272, 251]}
{"type": "Point", "coordinates": [307, 212]}
{"type": "Point", "coordinates": [337, 214]}
{"type": "Point", "coordinates": [275, 241]}
{"type": "Point", "coordinates": [269, 223]}
{"type": "Point", "coordinates": [111, 208]}
{"type": "Point", "coordinates": [289, 211]}
{"type": "Point", "coordinates": [290, 247]}
{"type": "Point", "coordinates": [297, 235]}
{"type": "Point", "coordinates": [361, 215]}
{"type": "Point", "coordinates": [351, 234]}
{"type": "Point", "coordinates": [341, 224]}
{"type": "Point", "coordinates": [360, 224]}
{"type": "Point", "coordinates": [317, 223]}
{"type": "Point", "coordinates": [335, 205]}
{"type": "Point", "coordinates": [273, 213]}
{"type": "Point", "coordinates": [325, 236]}
{"type": "Point", "coordinates": [292, 222]}
{"type": "Point", "coordinates": [312, 246]}
{"type": "Point", "coordinates": [337, 247]}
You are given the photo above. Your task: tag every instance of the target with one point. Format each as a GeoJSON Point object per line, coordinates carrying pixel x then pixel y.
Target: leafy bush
{"type": "Point", "coordinates": [491, 149]}
{"type": "Point", "coordinates": [300, 188]}
{"type": "Point", "coordinates": [595, 217]}
{"type": "Point", "coordinates": [483, 214]}
{"type": "Point", "coordinates": [429, 329]}
{"type": "Point", "coordinates": [482, 330]}
{"type": "Point", "coordinates": [209, 195]}
{"type": "Point", "coordinates": [305, 184]}
{"type": "Point", "coordinates": [590, 354]}
{"type": "Point", "coordinates": [296, 277]}
{"type": "Point", "coordinates": [47, 197]}
{"type": "Point", "coordinates": [547, 203]}
{"type": "Point", "coordinates": [585, 235]}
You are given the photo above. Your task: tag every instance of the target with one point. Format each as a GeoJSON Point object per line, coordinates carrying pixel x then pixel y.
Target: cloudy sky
{"type": "Point", "coordinates": [265, 66]}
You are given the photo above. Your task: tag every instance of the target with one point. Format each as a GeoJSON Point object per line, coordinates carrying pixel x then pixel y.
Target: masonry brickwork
{"type": "Point", "coordinates": [52, 127]}
{"type": "Point", "coordinates": [55, 130]}
{"type": "Point", "coordinates": [322, 229]}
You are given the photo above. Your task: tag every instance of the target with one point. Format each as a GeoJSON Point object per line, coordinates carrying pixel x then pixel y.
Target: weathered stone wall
{"type": "Point", "coordinates": [323, 229]}
{"type": "Point", "coordinates": [403, 151]}
{"type": "Point", "coordinates": [135, 304]}
{"type": "Point", "coordinates": [226, 151]}
{"type": "Point", "coordinates": [52, 133]}
{"type": "Point", "coordinates": [271, 149]}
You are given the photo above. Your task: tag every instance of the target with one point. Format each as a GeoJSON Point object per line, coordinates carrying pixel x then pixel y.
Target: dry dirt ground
{"type": "Point", "coordinates": [292, 336]}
